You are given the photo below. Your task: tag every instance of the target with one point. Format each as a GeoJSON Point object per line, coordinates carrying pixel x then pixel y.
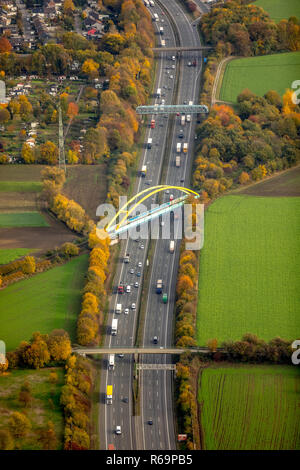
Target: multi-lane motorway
{"type": "Point", "coordinates": [156, 386]}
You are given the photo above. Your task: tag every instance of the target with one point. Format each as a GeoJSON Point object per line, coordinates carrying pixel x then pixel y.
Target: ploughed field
{"type": "Point", "coordinates": [260, 75]}
{"type": "Point", "coordinates": [249, 407]}
{"type": "Point", "coordinates": [249, 269]}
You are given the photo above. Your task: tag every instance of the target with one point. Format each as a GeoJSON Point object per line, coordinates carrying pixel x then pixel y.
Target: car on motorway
{"type": "Point", "coordinates": [132, 271]}
{"type": "Point", "coordinates": [180, 135]}
{"type": "Point", "coordinates": [150, 421]}
{"type": "Point", "coordinates": [136, 284]}
{"type": "Point", "coordinates": [139, 264]}
{"type": "Point", "coordinates": [173, 66]}
{"type": "Point", "coordinates": [126, 311]}
{"type": "Point", "coordinates": [128, 289]}
{"type": "Point", "coordinates": [133, 306]}
{"type": "Point", "coordinates": [182, 180]}
{"type": "Point", "coordinates": [121, 356]}
{"type": "Point", "coordinates": [138, 274]}
{"type": "Point", "coordinates": [171, 197]}
{"type": "Point", "coordinates": [125, 400]}
{"type": "Point", "coordinates": [155, 340]}
{"type": "Point", "coordinates": [142, 247]}
{"type": "Point", "coordinates": [118, 430]}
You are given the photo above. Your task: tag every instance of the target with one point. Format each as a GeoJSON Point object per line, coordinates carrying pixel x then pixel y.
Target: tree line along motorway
{"type": "Point", "coordinates": [156, 386]}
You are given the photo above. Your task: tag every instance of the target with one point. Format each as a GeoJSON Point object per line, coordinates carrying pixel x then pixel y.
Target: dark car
{"type": "Point", "coordinates": [125, 400]}
{"type": "Point", "coordinates": [150, 421]}
{"type": "Point", "coordinates": [155, 340]}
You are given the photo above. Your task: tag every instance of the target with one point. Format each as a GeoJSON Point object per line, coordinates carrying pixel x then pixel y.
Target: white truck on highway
{"type": "Point", "coordinates": [127, 258]}
{"type": "Point", "coordinates": [178, 147]}
{"type": "Point", "coordinates": [177, 161]}
{"type": "Point", "coordinates": [188, 118]}
{"type": "Point", "coordinates": [185, 147]}
{"type": "Point", "coordinates": [111, 362]}
{"type": "Point", "coordinates": [119, 308]}
{"type": "Point", "coordinates": [161, 30]}
{"type": "Point", "coordinates": [159, 286]}
{"type": "Point", "coordinates": [172, 246]}
{"type": "Point", "coordinates": [158, 93]}
{"type": "Point", "coordinates": [191, 103]}
{"type": "Point", "coordinates": [182, 120]}
{"type": "Point", "coordinates": [114, 327]}
{"type": "Point", "coordinates": [149, 143]}
{"type": "Point", "coordinates": [144, 171]}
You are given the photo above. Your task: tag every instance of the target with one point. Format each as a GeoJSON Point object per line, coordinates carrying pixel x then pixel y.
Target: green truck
{"type": "Point", "coordinates": [165, 298]}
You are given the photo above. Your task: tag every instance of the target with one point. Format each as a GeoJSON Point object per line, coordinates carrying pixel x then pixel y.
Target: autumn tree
{"type": "Point", "coordinates": [3, 363]}
{"type": "Point", "coordinates": [184, 283]}
{"type": "Point", "coordinates": [59, 345]}
{"type": "Point", "coordinates": [90, 68]}
{"type": "Point", "coordinates": [68, 6]}
{"type": "Point", "coordinates": [19, 424]}
{"type": "Point", "coordinates": [244, 177]}
{"type": "Point", "coordinates": [48, 153]}
{"type": "Point", "coordinates": [47, 437]}
{"type": "Point", "coordinates": [72, 110]}
{"type": "Point", "coordinates": [28, 153]}
{"type": "Point", "coordinates": [25, 397]}
{"type": "Point", "coordinates": [5, 45]}
{"type": "Point", "coordinates": [36, 354]}
{"type": "Point", "coordinates": [4, 115]}
{"type": "Point", "coordinates": [28, 265]}
{"type": "Point", "coordinates": [212, 344]}
{"type": "Point", "coordinates": [25, 107]}
{"type": "Point", "coordinates": [6, 440]}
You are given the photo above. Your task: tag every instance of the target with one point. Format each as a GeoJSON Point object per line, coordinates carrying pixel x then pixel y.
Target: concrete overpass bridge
{"type": "Point", "coordinates": [101, 351]}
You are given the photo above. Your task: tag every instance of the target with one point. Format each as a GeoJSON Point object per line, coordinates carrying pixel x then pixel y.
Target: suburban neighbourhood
{"type": "Point", "coordinates": [149, 227]}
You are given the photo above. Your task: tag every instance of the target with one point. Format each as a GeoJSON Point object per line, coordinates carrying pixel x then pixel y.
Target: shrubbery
{"type": "Point", "coordinates": [76, 401]}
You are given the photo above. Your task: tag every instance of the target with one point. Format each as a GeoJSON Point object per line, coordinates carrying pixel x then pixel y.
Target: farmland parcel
{"type": "Point", "coordinates": [250, 407]}
{"type": "Point", "coordinates": [43, 303]}
{"type": "Point", "coordinates": [249, 269]}
{"type": "Point", "coordinates": [279, 9]}
{"type": "Point", "coordinates": [260, 74]}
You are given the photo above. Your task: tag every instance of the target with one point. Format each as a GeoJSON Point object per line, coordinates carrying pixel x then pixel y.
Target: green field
{"type": "Point", "coordinates": [250, 407]}
{"type": "Point", "coordinates": [260, 75]}
{"type": "Point", "coordinates": [44, 407]}
{"type": "Point", "coordinates": [22, 219]}
{"type": "Point", "coordinates": [43, 303]}
{"type": "Point", "coordinates": [279, 9]}
{"type": "Point", "coordinates": [6, 256]}
{"type": "Point", "coordinates": [20, 186]}
{"type": "Point", "coordinates": [249, 269]}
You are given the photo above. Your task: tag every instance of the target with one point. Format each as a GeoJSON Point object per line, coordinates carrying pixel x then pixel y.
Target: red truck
{"type": "Point", "coordinates": [152, 124]}
{"type": "Point", "coordinates": [120, 289]}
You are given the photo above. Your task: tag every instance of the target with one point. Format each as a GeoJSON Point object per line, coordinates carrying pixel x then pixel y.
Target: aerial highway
{"type": "Point", "coordinates": [157, 402]}
{"type": "Point", "coordinates": [156, 385]}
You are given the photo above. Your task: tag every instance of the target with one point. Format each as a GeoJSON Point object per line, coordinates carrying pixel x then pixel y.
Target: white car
{"type": "Point", "coordinates": [139, 264]}
{"type": "Point", "coordinates": [118, 430]}
{"type": "Point", "coordinates": [128, 289]}
{"type": "Point", "coordinates": [142, 247]}
{"type": "Point", "coordinates": [133, 306]}
{"type": "Point", "coordinates": [126, 311]}
{"type": "Point", "coordinates": [173, 66]}
{"type": "Point", "coordinates": [136, 284]}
